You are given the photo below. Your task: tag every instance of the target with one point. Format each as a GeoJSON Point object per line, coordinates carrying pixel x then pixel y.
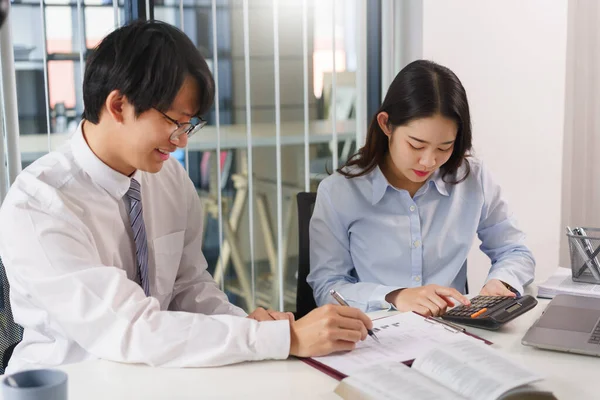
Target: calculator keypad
{"type": "Point", "coordinates": [595, 338]}
{"type": "Point", "coordinates": [490, 312]}
{"type": "Point", "coordinates": [479, 305]}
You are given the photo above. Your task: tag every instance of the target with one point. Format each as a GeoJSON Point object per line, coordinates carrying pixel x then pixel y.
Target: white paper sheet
{"type": "Point", "coordinates": [403, 337]}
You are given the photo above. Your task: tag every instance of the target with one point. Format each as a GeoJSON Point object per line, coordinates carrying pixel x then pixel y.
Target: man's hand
{"type": "Point", "coordinates": [328, 329]}
{"type": "Point", "coordinates": [496, 287]}
{"type": "Point", "coordinates": [426, 300]}
{"type": "Point", "coordinates": [260, 314]}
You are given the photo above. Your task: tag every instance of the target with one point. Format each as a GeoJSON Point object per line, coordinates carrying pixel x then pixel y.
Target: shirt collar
{"type": "Point", "coordinates": [114, 182]}
{"type": "Point", "coordinates": [380, 185]}
{"type": "Point", "coordinates": [439, 183]}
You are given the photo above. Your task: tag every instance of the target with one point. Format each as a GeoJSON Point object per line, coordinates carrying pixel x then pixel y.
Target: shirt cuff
{"type": "Point", "coordinates": [507, 279]}
{"type": "Point", "coordinates": [377, 300]}
{"type": "Point", "coordinates": [273, 340]}
{"type": "Point", "coordinates": [237, 311]}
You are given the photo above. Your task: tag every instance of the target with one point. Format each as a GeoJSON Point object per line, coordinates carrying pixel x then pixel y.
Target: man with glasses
{"type": "Point", "coordinates": [185, 128]}
{"type": "Point", "coordinates": [102, 238]}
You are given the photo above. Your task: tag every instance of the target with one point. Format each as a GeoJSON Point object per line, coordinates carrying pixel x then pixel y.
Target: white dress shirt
{"type": "Point", "coordinates": [67, 245]}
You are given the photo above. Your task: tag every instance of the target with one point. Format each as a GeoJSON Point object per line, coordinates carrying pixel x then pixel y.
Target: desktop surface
{"type": "Point", "coordinates": [568, 376]}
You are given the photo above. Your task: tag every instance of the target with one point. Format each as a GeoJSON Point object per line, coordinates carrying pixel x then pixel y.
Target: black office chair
{"type": "Point", "coordinates": [305, 301]}
{"type": "Point", "coordinates": [10, 333]}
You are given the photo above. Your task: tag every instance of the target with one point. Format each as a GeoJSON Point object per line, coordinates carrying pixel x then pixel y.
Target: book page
{"type": "Point", "coordinates": [395, 381]}
{"type": "Point", "coordinates": [474, 370]}
{"type": "Point", "coordinates": [403, 337]}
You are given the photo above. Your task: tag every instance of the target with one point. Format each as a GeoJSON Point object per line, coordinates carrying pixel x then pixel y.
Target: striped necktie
{"type": "Point", "coordinates": [136, 218]}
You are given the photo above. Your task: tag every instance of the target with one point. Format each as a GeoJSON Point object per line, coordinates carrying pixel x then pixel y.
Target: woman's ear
{"type": "Point", "coordinates": [383, 121]}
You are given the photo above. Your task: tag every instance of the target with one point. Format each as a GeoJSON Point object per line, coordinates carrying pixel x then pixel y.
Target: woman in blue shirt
{"type": "Point", "coordinates": [393, 227]}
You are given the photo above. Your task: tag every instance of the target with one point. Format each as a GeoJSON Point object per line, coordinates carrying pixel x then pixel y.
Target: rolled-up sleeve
{"type": "Point", "coordinates": [501, 240]}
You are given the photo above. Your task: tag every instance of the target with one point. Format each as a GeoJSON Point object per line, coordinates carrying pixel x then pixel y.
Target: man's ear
{"type": "Point", "coordinates": [116, 106]}
{"type": "Point", "coordinates": [383, 121]}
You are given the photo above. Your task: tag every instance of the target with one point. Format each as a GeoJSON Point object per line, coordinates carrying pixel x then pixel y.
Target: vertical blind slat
{"type": "Point", "coordinates": [217, 123]}
{"type": "Point", "coordinates": [305, 95]}
{"type": "Point", "coordinates": [361, 72]}
{"type": "Point", "coordinates": [280, 249]}
{"type": "Point", "coordinates": [249, 146]}
{"type": "Point", "coordinates": [116, 13]}
{"type": "Point", "coordinates": [82, 44]}
{"type": "Point", "coordinates": [182, 27]}
{"type": "Point", "coordinates": [10, 112]}
{"type": "Point", "coordinates": [332, 102]}
{"type": "Point", "coordinates": [45, 60]}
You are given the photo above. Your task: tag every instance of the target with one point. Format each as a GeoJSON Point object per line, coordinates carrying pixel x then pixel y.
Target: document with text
{"type": "Point", "coordinates": [461, 370]}
{"type": "Point", "coordinates": [403, 337]}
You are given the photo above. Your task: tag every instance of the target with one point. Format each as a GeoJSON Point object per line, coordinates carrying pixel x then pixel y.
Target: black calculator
{"type": "Point", "coordinates": [490, 312]}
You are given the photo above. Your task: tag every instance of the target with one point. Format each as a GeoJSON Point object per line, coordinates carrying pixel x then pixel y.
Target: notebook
{"type": "Point", "coordinates": [403, 337]}
{"type": "Point", "coordinates": [562, 283]}
{"type": "Point", "coordinates": [461, 370]}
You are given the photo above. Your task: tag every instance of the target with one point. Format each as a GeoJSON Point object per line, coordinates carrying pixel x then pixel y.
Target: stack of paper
{"type": "Point", "coordinates": [562, 283]}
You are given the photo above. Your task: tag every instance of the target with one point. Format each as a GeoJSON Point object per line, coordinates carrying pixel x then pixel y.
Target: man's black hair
{"type": "Point", "coordinates": [147, 61]}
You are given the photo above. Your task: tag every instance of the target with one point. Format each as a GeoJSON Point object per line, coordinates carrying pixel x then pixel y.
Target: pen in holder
{"type": "Point", "coordinates": [584, 249]}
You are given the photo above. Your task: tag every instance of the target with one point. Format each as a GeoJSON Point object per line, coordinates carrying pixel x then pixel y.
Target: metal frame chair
{"type": "Point", "coordinates": [10, 332]}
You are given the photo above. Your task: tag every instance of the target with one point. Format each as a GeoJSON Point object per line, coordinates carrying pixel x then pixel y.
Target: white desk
{"type": "Point", "coordinates": [34, 146]}
{"type": "Point", "coordinates": [568, 376]}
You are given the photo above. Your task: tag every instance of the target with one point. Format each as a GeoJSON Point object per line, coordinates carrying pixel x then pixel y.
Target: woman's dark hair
{"type": "Point", "coordinates": [147, 61]}
{"type": "Point", "coordinates": [422, 89]}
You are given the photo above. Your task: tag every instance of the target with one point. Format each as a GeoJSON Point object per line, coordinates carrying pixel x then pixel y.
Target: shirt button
{"type": "Point", "coordinates": [413, 208]}
{"type": "Point", "coordinates": [417, 278]}
{"type": "Point", "coordinates": [417, 243]}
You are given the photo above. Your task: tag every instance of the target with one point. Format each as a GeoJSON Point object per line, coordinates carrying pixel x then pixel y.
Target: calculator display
{"type": "Point", "coordinates": [513, 307]}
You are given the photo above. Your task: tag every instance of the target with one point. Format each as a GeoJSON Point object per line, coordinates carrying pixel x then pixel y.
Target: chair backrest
{"type": "Point", "coordinates": [305, 301]}
{"type": "Point", "coordinates": [10, 333]}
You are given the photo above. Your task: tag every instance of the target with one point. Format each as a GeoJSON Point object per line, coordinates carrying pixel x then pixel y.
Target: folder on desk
{"type": "Point", "coordinates": [403, 338]}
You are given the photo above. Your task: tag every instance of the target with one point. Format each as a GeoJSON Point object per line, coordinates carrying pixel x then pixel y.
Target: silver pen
{"type": "Point", "coordinates": [582, 252]}
{"type": "Point", "coordinates": [589, 249]}
{"type": "Point", "coordinates": [338, 297]}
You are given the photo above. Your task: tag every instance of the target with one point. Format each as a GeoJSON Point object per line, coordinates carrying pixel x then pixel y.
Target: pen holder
{"type": "Point", "coordinates": [584, 251]}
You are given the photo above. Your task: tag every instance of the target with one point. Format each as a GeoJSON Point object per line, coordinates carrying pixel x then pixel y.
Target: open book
{"type": "Point", "coordinates": [461, 370]}
{"type": "Point", "coordinates": [562, 283]}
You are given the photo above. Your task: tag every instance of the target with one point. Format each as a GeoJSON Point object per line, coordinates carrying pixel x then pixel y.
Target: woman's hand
{"type": "Point", "coordinates": [496, 287]}
{"type": "Point", "coordinates": [427, 300]}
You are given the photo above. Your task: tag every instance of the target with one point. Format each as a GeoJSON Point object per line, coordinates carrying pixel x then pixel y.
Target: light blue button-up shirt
{"type": "Point", "coordinates": [368, 238]}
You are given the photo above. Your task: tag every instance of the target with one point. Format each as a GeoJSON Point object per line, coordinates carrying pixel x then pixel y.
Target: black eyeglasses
{"type": "Point", "coordinates": [189, 128]}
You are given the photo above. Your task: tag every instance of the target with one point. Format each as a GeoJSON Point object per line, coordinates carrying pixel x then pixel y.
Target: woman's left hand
{"type": "Point", "coordinates": [496, 287]}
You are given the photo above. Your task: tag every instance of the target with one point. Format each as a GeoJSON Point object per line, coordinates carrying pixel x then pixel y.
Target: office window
{"type": "Point", "coordinates": [267, 138]}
